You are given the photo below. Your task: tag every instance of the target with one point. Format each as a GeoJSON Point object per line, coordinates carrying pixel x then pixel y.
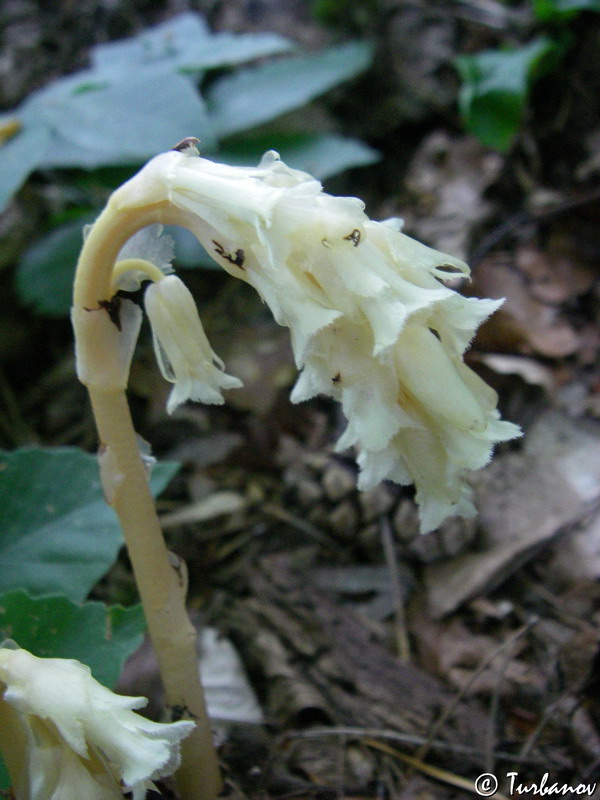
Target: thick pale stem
{"type": "Point", "coordinates": [162, 588]}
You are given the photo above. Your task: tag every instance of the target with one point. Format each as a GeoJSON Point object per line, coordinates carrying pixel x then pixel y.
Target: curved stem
{"type": "Point", "coordinates": [161, 587]}
{"type": "Point", "coordinates": [150, 271]}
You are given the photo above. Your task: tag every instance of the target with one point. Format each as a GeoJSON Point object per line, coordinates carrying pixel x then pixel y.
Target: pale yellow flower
{"type": "Point", "coordinates": [372, 322]}
{"type": "Point", "coordinates": [83, 741]}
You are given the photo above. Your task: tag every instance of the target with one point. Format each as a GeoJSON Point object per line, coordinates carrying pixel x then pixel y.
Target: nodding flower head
{"type": "Point", "coordinates": [82, 741]}
{"type": "Point", "coordinates": [372, 321]}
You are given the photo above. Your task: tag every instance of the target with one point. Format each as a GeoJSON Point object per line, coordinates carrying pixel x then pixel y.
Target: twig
{"type": "Point", "coordinates": [439, 774]}
{"type": "Point", "coordinates": [402, 641]}
{"type": "Point", "coordinates": [302, 525]}
{"type": "Point", "coordinates": [404, 738]}
{"type": "Point", "coordinates": [446, 713]}
{"type": "Point", "coordinates": [543, 721]}
{"type": "Point", "coordinates": [493, 715]}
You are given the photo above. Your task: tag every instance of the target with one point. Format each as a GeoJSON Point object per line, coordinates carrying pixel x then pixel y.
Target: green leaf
{"type": "Point", "coordinates": [561, 10]}
{"type": "Point", "coordinates": [252, 96]}
{"type": "Point", "coordinates": [53, 627]}
{"type": "Point", "coordinates": [186, 43]}
{"type": "Point", "coordinates": [81, 121]}
{"type": "Point", "coordinates": [124, 120]}
{"type": "Point", "coordinates": [228, 49]}
{"type": "Point", "coordinates": [44, 276]}
{"type": "Point", "coordinates": [58, 534]}
{"type": "Point", "coordinates": [135, 101]}
{"type": "Point", "coordinates": [322, 155]}
{"type": "Point", "coordinates": [19, 156]}
{"type": "Point", "coordinates": [495, 88]}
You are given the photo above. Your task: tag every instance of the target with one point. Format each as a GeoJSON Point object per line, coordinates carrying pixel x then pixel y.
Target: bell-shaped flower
{"type": "Point", "coordinates": [372, 321]}
{"type": "Point", "coordinates": [82, 741]}
{"type": "Point", "coordinates": [182, 349]}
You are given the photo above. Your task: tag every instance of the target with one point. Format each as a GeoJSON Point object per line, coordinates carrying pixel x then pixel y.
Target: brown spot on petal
{"type": "Point", "coordinates": [113, 309]}
{"type": "Point", "coordinates": [186, 144]}
{"type": "Point", "coordinates": [237, 260]}
{"type": "Point", "coordinates": [353, 237]}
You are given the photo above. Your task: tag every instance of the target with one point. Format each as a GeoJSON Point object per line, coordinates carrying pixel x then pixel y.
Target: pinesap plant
{"type": "Point", "coordinates": [372, 322]}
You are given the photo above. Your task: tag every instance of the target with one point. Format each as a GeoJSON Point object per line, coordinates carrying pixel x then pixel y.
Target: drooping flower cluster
{"type": "Point", "coordinates": [83, 742]}
{"type": "Point", "coordinates": [372, 322]}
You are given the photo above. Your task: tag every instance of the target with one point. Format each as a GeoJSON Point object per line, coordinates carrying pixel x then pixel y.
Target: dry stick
{"type": "Point", "coordinates": [489, 764]}
{"type": "Point", "coordinates": [402, 641]}
{"type": "Point", "coordinates": [443, 775]}
{"type": "Point", "coordinates": [126, 485]}
{"type": "Point", "coordinates": [544, 719]}
{"type": "Point", "coordinates": [350, 732]}
{"type": "Point", "coordinates": [441, 720]}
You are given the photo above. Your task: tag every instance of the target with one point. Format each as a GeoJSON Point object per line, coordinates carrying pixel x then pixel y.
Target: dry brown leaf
{"type": "Point", "coordinates": [523, 324]}
{"type": "Point", "coordinates": [215, 505]}
{"type": "Point", "coordinates": [557, 273]}
{"type": "Point", "coordinates": [455, 654]}
{"type": "Point", "coordinates": [524, 499]}
{"type": "Point", "coordinates": [261, 357]}
{"type": "Point", "coordinates": [447, 179]}
{"type": "Point", "coordinates": [530, 370]}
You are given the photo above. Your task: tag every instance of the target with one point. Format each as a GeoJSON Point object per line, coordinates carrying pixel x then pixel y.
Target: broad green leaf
{"type": "Point", "coordinates": [228, 49]}
{"type": "Point", "coordinates": [134, 101]}
{"type": "Point", "coordinates": [125, 120]}
{"type": "Point", "coordinates": [44, 277]}
{"type": "Point", "coordinates": [54, 627]}
{"type": "Point", "coordinates": [557, 10]}
{"type": "Point", "coordinates": [57, 533]}
{"type": "Point", "coordinates": [85, 121]}
{"type": "Point", "coordinates": [495, 87]}
{"type": "Point", "coordinates": [322, 155]}
{"type": "Point", "coordinates": [186, 43]}
{"type": "Point", "coordinates": [255, 95]}
{"type": "Point", "coordinates": [20, 155]}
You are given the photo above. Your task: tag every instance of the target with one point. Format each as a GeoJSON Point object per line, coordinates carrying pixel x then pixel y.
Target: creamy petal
{"type": "Point", "coordinates": [182, 349]}
{"type": "Point", "coordinates": [83, 740]}
{"type": "Point", "coordinates": [372, 320]}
